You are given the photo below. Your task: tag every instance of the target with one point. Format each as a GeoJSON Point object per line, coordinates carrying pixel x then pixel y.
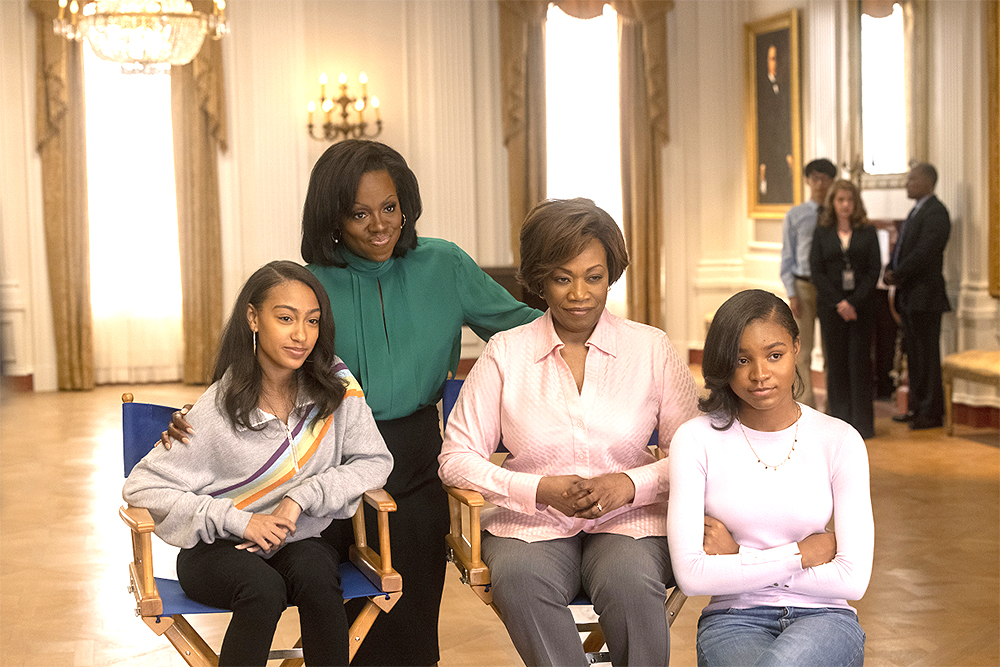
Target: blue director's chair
{"type": "Point", "coordinates": [162, 604]}
{"type": "Point", "coordinates": [465, 551]}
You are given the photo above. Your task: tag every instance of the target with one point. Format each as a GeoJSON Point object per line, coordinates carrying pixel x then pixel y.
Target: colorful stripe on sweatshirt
{"type": "Point", "coordinates": [280, 466]}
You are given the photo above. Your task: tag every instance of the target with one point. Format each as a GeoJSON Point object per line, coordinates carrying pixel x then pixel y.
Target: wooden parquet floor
{"type": "Point", "coordinates": [933, 599]}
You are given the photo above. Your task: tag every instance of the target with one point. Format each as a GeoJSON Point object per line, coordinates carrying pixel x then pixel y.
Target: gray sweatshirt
{"type": "Point", "coordinates": [208, 489]}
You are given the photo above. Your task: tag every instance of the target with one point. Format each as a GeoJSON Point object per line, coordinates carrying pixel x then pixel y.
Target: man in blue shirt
{"type": "Point", "coordinates": [796, 242]}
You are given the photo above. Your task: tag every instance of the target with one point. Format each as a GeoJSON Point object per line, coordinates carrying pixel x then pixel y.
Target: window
{"type": "Point", "coordinates": [583, 147]}
{"type": "Point", "coordinates": [134, 255]}
{"type": "Point", "coordinates": [883, 93]}
{"type": "Point", "coordinates": [887, 90]}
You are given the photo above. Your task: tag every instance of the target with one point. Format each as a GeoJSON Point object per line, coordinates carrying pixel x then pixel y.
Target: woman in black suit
{"type": "Point", "coordinates": [845, 267]}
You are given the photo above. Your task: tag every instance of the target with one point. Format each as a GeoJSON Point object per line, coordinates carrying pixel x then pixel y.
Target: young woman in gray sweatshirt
{"type": "Point", "coordinates": [283, 443]}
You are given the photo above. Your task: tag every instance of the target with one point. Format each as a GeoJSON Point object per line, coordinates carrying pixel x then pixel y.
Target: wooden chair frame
{"type": "Point", "coordinates": [465, 508]}
{"type": "Point", "coordinates": [376, 567]}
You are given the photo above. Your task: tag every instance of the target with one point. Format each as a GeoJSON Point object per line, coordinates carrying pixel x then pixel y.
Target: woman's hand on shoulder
{"type": "Point", "coordinates": [599, 495]}
{"type": "Point", "coordinates": [178, 429]}
{"type": "Point", "coordinates": [718, 539]}
{"type": "Point", "coordinates": [817, 549]}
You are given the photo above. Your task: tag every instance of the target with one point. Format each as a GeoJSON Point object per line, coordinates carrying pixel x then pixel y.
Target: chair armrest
{"type": "Point", "coordinates": [142, 584]}
{"type": "Point", "coordinates": [137, 518]}
{"type": "Point", "coordinates": [466, 553]}
{"type": "Point", "coordinates": [380, 500]}
{"type": "Point", "coordinates": [377, 567]}
{"type": "Point", "coordinates": [465, 496]}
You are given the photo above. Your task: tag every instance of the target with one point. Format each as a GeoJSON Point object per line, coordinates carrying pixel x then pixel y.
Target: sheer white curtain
{"type": "Point", "coordinates": [583, 121]}
{"type": "Point", "coordinates": [134, 259]}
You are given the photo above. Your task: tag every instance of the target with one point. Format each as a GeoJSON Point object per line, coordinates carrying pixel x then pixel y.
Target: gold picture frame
{"type": "Point", "coordinates": [773, 116]}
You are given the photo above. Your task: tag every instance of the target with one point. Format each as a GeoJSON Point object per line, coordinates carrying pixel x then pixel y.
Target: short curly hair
{"type": "Point", "coordinates": [557, 230]}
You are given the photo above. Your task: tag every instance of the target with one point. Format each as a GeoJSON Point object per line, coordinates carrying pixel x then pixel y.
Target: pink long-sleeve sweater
{"type": "Point", "coordinates": [767, 511]}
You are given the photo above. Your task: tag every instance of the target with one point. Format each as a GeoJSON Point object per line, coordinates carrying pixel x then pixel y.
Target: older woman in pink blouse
{"type": "Point", "coordinates": [581, 501]}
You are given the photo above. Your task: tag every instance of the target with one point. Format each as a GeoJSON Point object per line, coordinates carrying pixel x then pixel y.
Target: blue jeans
{"type": "Point", "coordinates": [786, 636]}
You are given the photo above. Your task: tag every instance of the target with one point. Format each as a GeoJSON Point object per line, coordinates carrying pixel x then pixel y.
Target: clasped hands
{"type": "Point", "coordinates": [816, 549]}
{"type": "Point", "coordinates": [584, 498]}
{"type": "Point", "coordinates": [267, 532]}
{"type": "Point", "coordinates": [846, 311]}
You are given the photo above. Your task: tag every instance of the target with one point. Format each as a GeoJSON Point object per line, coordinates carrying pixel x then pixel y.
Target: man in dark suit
{"type": "Point", "coordinates": [915, 269]}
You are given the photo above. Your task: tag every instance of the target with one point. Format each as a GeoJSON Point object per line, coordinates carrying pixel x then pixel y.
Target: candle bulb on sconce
{"type": "Point", "coordinates": [345, 128]}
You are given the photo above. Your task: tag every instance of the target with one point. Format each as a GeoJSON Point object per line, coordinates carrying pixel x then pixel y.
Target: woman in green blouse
{"type": "Point", "coordinates": [399, 303]}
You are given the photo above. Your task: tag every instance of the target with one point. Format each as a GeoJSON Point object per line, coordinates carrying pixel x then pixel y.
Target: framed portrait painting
{"type": "Point", "coordinates": [773, 119]}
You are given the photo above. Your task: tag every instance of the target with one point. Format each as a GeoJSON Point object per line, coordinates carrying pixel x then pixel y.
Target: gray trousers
{"type": "Point", "coordinates": [626, 579]}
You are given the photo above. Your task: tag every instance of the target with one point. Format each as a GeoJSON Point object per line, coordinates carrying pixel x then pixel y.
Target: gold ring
{"type": "Point", "coordinates": [599, 508]}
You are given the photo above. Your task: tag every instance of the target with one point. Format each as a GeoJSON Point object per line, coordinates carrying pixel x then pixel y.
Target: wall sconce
{"type": "Point", "coordinates": [345, 129]}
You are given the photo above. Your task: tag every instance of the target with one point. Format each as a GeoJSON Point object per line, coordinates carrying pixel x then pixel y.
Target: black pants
{"type": "Point", "coordinates": [884, 345]}
{"type": "Point", "coordinates": [408, 634]}
{"type": "Point", "coordinates": [257, 590]}
{"type": "Point", "coordinates": [849, 368]}
{"type": "Point", "coordinates": [922, 344]}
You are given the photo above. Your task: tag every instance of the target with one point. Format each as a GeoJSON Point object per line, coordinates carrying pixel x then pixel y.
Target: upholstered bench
{"type": "Point", "coordinates": [971, 365]}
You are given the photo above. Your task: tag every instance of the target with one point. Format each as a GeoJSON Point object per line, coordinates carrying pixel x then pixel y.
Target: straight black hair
{"type": "Point", "coordinates": [241, 394]}
{"type": "Point", "coordinates": [823, 166]}
{"type": "Point", "coordinates": [333, 189]}
{"type": "Point", "coordinates": [722, 349]}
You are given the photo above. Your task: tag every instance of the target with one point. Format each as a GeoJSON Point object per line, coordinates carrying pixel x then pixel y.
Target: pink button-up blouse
{"type": "Point", "coordinates": [522, 390]}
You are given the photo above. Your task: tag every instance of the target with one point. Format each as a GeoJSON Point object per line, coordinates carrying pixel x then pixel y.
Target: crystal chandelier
{"type": "Point", "coordinates": [330, 130]}
{"type": "Point", "coordinates": [145, 36]}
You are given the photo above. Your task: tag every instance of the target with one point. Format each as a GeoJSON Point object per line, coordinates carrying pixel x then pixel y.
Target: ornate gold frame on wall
{"type": "Point", "coordinates": [788, 21]}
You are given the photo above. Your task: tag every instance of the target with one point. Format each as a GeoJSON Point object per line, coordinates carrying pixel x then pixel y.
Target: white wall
{"type": "Point", "coordinates": [432, 65]}
{"type": "Point", "coordinates": [26, 335]}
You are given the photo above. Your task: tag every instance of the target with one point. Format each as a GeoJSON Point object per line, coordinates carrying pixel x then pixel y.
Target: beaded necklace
{"type": "Point", "coordinates": [795, 439]}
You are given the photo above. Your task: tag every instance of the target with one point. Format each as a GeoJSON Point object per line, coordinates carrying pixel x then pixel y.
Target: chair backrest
{"type": "Point", "coordinates": [450, 395]}
{"type": "Point", "coordinates": [142, 424]}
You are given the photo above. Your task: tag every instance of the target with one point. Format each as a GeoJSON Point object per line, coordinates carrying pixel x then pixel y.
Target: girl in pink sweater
{"type": "Point", "coordinates": [754, 484]}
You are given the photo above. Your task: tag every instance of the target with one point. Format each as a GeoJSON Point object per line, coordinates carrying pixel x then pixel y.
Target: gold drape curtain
{"type": "Point", "coordinates": [60, 127]}
{"type": "Point", "coordinates": [199, 128]}
{"type": "Point", "coordinates": [644, 124]}
{"type": "Point", "coordinates": [522, 85]}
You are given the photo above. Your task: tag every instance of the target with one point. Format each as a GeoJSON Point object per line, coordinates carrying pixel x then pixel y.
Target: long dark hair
{"type": "Point", "coordinates": [241, 393]}
{"type": "Point", "coordinates": [333, 189]}
{"type": "Point", "coordinates": [722, 349]}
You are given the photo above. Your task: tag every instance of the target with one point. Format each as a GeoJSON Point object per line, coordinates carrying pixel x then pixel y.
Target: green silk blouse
{"type": "Point", "coordinates": [399, 322]}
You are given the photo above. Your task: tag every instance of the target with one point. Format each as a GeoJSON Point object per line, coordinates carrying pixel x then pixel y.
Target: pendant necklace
{"type": "Point", "coordinates": [795, 439]}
